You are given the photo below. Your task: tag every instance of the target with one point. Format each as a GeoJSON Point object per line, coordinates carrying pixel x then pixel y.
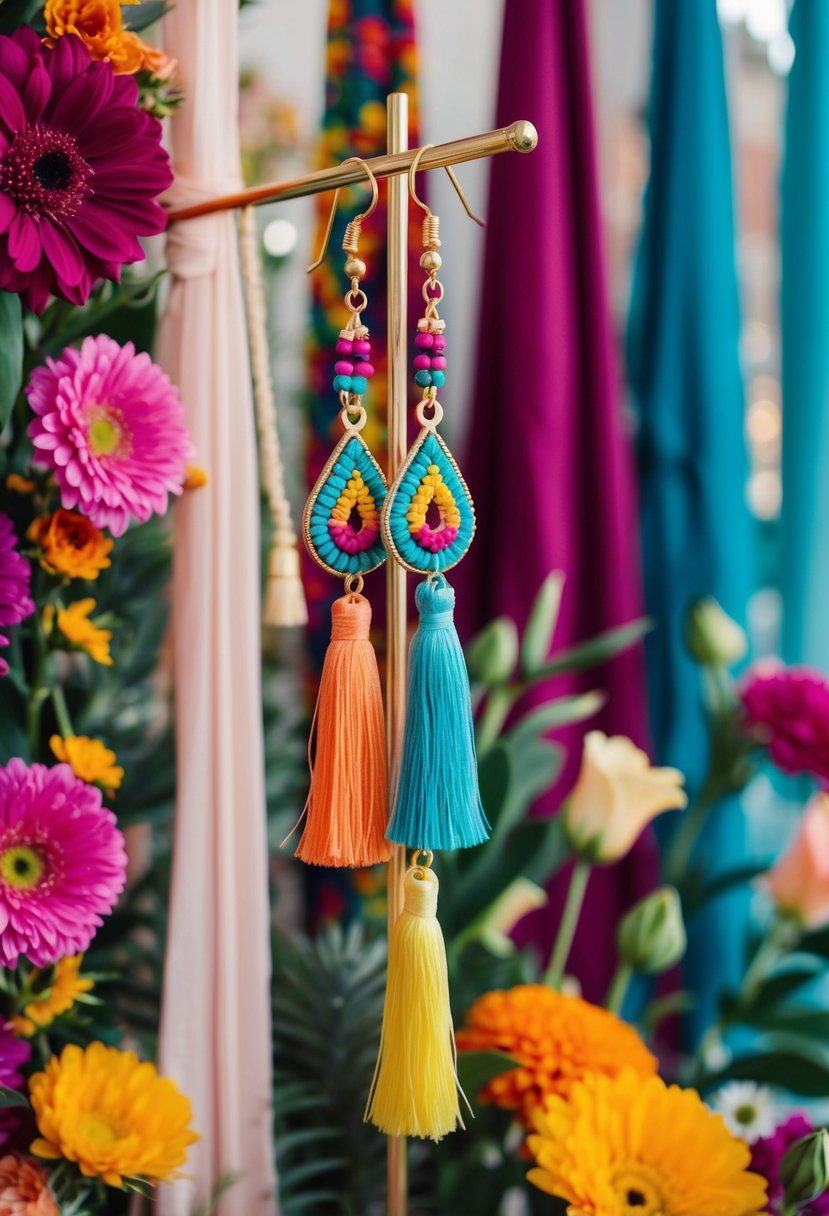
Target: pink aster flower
{"type": "Point", "coordinates": [80, 169]}
{"type": "Point", "coordinates": [111, 426]}
{"type": "Point", "coordinates": [62, 863]}
{"type": "Point", "coordinates": [15, 577]}
{"type": "Point", "coordinates": [787, 710]}
{"type": "Point", "coordinates": [14, 1053]}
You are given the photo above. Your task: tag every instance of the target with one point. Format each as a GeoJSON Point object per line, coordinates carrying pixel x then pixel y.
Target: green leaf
{"type": "Point", "coordinates": [797, 1072]}
{"type": "Point", "coordinates": [597, 651]}
{"type": "Point", "coordinates": [561, 712]}
{"type": "Point", "coordinates": [700, 895]}
{"type": "Point", "coordinates": [11, 1097]}
{"type": "Point", "coordinates": [16, 12]}
{"type": "Point", "coordinates": [799, 1021]}
{"type": "Point", "coordinates": [11, 353]}
{"type": "Point", "coordinates": [665, 1007]}
{"type": "Point", "coordinates": [541, 625]}
{"type": "Point", "coordinates": [477, 1068]}
{"type": "Point", "coordinates": [492, 653]}
{"type": "Point", "coordinates": [141, 16]}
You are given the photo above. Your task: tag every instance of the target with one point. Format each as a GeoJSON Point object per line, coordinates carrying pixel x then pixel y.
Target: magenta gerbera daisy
{"type": "Point", "coordinates": [15, 577]}
{"type": "Point", "coordinates": [111, 425]}
{"type": "Point", "coordinates": [80, 169]}
{"type": "Point", "coordinates": [62, 863]}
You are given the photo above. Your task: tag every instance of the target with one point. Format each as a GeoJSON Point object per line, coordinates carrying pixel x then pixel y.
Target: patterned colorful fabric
{"type": "Point", "coordinates": [371, 52]}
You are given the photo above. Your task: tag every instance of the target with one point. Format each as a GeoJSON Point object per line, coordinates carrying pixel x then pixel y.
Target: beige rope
{"type": "Point", "coordinates": [284, 596]}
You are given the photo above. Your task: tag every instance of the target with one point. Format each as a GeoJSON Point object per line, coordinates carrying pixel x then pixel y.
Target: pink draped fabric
{"type": "Point", "coordinates": [215, 1032]}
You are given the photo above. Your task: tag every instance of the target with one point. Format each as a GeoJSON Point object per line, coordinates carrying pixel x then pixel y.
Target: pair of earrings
{"type": "Point", "coordinates": [425, 521]}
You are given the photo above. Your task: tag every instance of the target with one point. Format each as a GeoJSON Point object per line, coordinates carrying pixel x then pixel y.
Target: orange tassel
{"type": "Point", "coordinates": [346, 807]}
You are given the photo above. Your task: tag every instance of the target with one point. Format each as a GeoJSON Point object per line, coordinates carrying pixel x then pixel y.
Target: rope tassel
{"type": "Point", "coordinates": [346, 808]}
{"type": "Point", "coordinates": [438, 804]}
{"type": "Point", "coordinates": [415, 1089]}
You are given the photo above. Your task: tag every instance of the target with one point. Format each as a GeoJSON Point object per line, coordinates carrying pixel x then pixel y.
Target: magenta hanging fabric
{"type": "Point", "coordinates": [549, 466]}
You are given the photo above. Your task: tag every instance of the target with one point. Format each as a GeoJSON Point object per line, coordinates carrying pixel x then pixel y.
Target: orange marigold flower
{"type": "Point", "coordinates": [24, 1188]}
{"type": "Point", "coordinates": [557, 1039]}
{"type": "Point", "coordinates": [89, 759]}
{"type": "Point", "coordinates": [66, 987]}
{"type": "Point", "coordinates": [194, 477]}
{"type": "Point", "coordinates": [71, 544]}
{"type": "Point", "coordinates": [73, 622]}
{"type": "Point", "coordinates": [20, 485]}
{"type": "Point", "coordinates": [100, 26]}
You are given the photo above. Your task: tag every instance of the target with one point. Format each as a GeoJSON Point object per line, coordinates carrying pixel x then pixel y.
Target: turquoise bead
{"type": "Point", "coordinates": [341, 384]}
{"type": "Point", "coordinates": [423, 378]}
{"type": "Point", "coordinates": [359, 384]}
{"type": "Point", "coordinates": [438, 378]}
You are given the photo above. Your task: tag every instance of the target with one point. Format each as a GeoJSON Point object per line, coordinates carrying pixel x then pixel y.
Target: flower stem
{"type": "Point", "coordinates": [687, 834]}
{"type": "Point", "coordinates": [569, 920]}
{"type": "Point", "coordinates": [61, 711]}
{"type": "Point", "coordinates": [38, 691]}
{"type": "Point", "coordinates": [618, 988]}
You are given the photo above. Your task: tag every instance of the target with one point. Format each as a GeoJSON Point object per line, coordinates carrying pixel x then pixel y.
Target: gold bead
{"type": "Point", "coordinates": [355, 268]}
{"type": "Point", "coordinates": [430, 260]}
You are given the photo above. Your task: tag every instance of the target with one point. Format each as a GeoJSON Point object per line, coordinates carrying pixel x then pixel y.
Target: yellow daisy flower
{"type": "Point", "coordinates": [66, 986]}
{"type": "Point", "coordinates": [73, 622]}
{"type": "Point", "coordinates": [632, 1146]}
{"type": "Point", "coordinates": [89, 759]}
{"type": "Point", "coordinates": [112, 1114]}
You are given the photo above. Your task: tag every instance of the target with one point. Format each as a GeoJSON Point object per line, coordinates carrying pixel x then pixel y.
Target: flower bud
{"type": "Point", "coordinates": [492, 654]}
{"type": "Point", "coordinates": [712, 637]}
{"type": "Point", "coordinates": [804, 1171]}
{"type": "Point", "coordinates": [651, 937]}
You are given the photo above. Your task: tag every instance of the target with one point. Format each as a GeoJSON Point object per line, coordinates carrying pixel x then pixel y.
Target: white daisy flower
{"type": "Point", "coordinates": [750, 1111]}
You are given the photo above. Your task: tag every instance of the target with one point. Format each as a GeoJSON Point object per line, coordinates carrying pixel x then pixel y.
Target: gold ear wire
{"type": "Point", "coordinates": [353, 228]}
{"type": "Point", "coordinates": [458, 189]}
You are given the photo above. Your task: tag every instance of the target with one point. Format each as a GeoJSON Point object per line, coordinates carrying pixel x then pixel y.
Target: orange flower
{"type": "Point", "coordinates": [71, 544]}
{"type": "Point", "coordinates": [89, 759]}
{"type": "Point", "coordinates": [67, 986]}
{"type": "Point", "coordinates": [100, 26]}
{"type": "Point", "coordinates": [82, 633]}
{"type": "Point", "coordinates": [20, 485]}
{"type": "Point", "coordinates": [194, 477]}
{"type": "Point", "coordinates": [24, 1188]}
{"type": "Point", "coordinates": [557, 1039]}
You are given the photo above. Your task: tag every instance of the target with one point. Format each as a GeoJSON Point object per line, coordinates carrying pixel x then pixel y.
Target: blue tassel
{"type": "Point", "coordinates": [438, 803]}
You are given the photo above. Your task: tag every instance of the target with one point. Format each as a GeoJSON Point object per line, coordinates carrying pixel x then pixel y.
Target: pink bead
{"type": "Point", "coordinates": [362, 347]}
{"type": "Point", "coordinates": [365, 369]}
{"type": "Point", "coordinates": [343, 368]}
{"type": "Point", "coordinates": [424, 341]}
{"type": "Point", "coordinates": [438, 363]}
{"type": "Point", "coordinates": [344, 347]}
{"type": "Point", "coordinates": [439, 342]}
{"type": "Point", "coordinates": [422, 363]}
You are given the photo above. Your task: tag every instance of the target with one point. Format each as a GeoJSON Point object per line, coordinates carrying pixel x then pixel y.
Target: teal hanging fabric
{"type": "Point", "coordinates": [804, 523]}
{"type": "Point", "coordinates": [685, 375]}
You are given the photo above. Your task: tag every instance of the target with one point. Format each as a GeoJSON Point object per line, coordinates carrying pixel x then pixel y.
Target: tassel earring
{"type": "Point", "coordinates": [346, 807]}
{"type": "Point", "coordinates": [438, 803]}
{"type": "Point", "coordinates": [415, 1090]}
{"type": "Point", "coordinates": [284, 604]}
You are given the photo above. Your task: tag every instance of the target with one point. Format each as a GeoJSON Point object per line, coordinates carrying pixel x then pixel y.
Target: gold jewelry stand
{"type": "Point", "coordinates": [519, 137]}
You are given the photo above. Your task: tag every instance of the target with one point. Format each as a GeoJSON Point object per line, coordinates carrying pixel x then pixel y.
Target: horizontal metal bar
{"type": "Point", "coordinates": [520, 136]}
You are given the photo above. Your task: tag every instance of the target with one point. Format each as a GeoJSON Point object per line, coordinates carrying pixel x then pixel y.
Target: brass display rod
{"type": "Point", "coordinates": [520, 136]}
{"type": "Point", "coordinates": [397, 241]}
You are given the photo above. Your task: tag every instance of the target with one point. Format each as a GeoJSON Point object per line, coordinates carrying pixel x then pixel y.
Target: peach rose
{"type": "Point", "coordinates": [799, 882]}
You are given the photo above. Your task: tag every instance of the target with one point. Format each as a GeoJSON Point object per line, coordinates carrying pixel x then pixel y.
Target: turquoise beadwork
{"type": "Point", "coordinates": [418, 546]}
{"type": "Point", "coordinates": [352, 481]}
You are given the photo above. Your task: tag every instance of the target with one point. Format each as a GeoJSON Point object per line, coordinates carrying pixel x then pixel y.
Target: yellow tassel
{"type": "Point", "coordinates": [415, 1087]}
{"type": "Point", "coordinates": [284, 605]}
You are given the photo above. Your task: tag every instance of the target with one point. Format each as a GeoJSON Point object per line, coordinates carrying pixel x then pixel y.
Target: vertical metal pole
{"type": "Point", "coordinates": [397, 140]}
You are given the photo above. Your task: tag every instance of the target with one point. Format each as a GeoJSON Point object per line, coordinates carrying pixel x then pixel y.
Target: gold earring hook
{"type": "Point", "coordinates": [358, 219]}
{"type": "Point", "coordinates": [458, 188]}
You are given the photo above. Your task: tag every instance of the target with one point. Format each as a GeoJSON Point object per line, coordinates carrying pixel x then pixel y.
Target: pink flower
{"type": "Point", "coordinates": [62, 863]}
{"type": "Point", "coordinates": [111, 426]}
{"type": "Point", "coordinates": [767, 1157]}
{"type": "Point", "coordinates": [787, 709]}
{"type": "Point", "coordinates": [15, 577]}
{"type": "Point", "coordinates": [14, 1053]}
{"type": "Point", "coordinates": [799, 882]}
{"type": "Point", "coordinates": [80, 168]}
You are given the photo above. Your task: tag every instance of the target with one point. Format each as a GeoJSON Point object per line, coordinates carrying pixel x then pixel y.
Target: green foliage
{"type": "Point", "coordinates": [17, 12]}
{"type": "Point", "coordinates": [11, 354]}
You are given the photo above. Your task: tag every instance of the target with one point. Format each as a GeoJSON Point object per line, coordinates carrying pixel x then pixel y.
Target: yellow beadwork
{"type": "Point", "coordinates": [432, 488]}
{"type": "Point", "coordinates": [356, 494]}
